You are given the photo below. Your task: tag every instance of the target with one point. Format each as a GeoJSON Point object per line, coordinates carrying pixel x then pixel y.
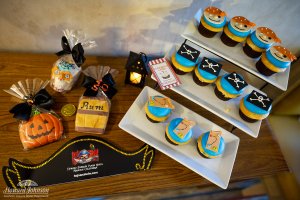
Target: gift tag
{"type": "Point", "coordinates": [210, 66]}
{"type": "Point", "coordinates": [236, 81]}
{"type": "Point", "coordinates": [161, 102]}
{"type": "Point", "coordinates": [163, 73]}
{"type": "Point", "coordinates": [213, 141]}
{"type": "Point", "coordinates": [260, 100]}
{"type": "Point", "coordinates": [184, 127]}
{"type": "Point", "coordinates": [188, 52]}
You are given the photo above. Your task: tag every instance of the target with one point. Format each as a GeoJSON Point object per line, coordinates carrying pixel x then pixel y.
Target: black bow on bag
{"type": "Point", "coordinates": [106, 84]}
{"type": "Point", "coordinates": [41, 99]}
{"type": "Point", "coordinates": [77, 51]}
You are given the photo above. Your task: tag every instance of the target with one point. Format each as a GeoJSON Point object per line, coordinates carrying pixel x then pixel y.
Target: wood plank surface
{"type": "Point", "coordinates": [256, 157]}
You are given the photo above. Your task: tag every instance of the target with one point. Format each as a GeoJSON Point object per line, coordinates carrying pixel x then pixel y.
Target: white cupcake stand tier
{"type": "Point", "coordinates": [234, 55]}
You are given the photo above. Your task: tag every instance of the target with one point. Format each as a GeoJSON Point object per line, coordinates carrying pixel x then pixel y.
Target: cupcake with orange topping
{"type": "Point", "coordinates": [277, 59]}
{"type": "Point", "coordinates": [212, 21]}
{"type": "Point", "coordinates": [236, 31]}
{"type": "Point", "coordinates": [259, 41]}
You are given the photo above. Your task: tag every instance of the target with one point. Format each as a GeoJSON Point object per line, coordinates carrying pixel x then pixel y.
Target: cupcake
{"type": "Point", "coordinates": [206, 72]}
{"type": "Point", "coordinates": [255, 106]}
{"type": "Point", "coordinates": [179, 131]}
{"type": "Point", "coordinates": [158, 108]}
{"type": "Point", "coordinates": [276, 59]}
{"type": "Point", "coordinates": [185, 59]}
{"type": "Point", "coordinates": [211, 144]}
{"type": "Point", "coordinates": [236, 31]}
{"type": "Point", "coordinates": [259, 41]}
{"type": "Point", "coordinates": [230, 86]}
{"type": "Point", "coordinates": [212, 21]}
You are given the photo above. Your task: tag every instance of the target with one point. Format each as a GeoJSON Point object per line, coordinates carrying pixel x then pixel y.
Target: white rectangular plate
{"type": "Point", "coordinates": [234, 55]}
{"type": "Point", "coordinates": [205, 97]}
{"type": "Point", "coordinates": [216, 170]}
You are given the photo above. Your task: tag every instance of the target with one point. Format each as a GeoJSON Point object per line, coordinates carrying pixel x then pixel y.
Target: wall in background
{"type": "Point", "coordinates": [122, 25]}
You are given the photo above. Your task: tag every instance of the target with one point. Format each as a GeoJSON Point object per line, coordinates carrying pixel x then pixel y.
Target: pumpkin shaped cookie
{"type": "Point", "coordinates": [40, 129]}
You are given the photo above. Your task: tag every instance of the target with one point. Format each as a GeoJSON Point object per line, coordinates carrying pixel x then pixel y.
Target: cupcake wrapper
{"type": "Point", "coordinates": [151, 120]}
{"type": "Point", "coordinates": [220, 95]}
{"type": "Point", "coordinates": [198, 82]}
{"type": "Point", "coordinates": [263, 69]}
{"type": "Point", "coordinates": [227, 40]}
{"type": "Point", "coordinates": [205, 32]}
{"type": "Point", "coordinates": [201, 153]}
{"type": "Point", "coordinates": [169, 140]}
{"type": "Point", "coordinates": [177, 71]}
{"type": "Point", "coordinates": [250, 52]}
{"type": "Point", "coordinates": [245, 118]}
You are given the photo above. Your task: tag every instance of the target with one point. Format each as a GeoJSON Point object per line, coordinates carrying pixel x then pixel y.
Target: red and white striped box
{"type": "Point", "coordinates": [164, 73]}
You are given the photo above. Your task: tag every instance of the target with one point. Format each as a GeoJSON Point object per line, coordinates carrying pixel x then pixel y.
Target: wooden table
{"type": "Point", "coordinates": [256, 157]}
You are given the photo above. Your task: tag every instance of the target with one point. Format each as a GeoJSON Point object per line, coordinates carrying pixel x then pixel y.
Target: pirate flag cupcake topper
{"type": "Point", "coordinates": [236, 81]}
{"type": "Point", "coordinates": [260, 100]}
{"type": "Point", "coordinates": [188, 52]}
{"type": "Point", "coordinates": [210, 66]}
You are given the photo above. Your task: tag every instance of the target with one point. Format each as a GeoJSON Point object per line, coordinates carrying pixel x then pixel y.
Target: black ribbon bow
{"type": "Point", "coordinates": [106, 85]}
{"type": "Point", "coordinates": [77, 51]}
{"type": "Point", "coordinates": [41, 99]}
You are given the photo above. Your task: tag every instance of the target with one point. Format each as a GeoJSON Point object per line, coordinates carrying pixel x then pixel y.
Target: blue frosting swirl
{"type": "Point", "coordinates": [173, 124]}
{"type": "Point", "coordinates": [215, 25]}
{"type": "Point", "coordinates": [276, 62]}
{"type": "Point", "coordinates": [253, 108]}
{"type": "Point", "coordinates": [238, 33]}
{"type": "Point", "coordinates": [185, 62]}
{"type": "Point", "coordinates": [208, 151]}
{"type": "Point", "coordinates": [258, 42]}
{"type": "Point", "coordinates": [228, 87]}
{"type": "Point", "coordinates": [206, 74]}
{"type": "Point", "coordinates": [158, 112]}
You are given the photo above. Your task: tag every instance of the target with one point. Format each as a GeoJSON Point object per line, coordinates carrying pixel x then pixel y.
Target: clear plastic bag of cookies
{"type": "Point", "coordinates": [38, 125]}
{"type": "Point", "coordinates": [94, 105]}
{"type": "Point", "coordinates": [66, 70]}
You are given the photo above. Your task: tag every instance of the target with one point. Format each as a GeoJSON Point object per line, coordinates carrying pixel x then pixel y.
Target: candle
{"type": "Point", "coordinates": [135, 77]}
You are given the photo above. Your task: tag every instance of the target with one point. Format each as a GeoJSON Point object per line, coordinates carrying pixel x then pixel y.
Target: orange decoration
{"type": "Point", "coordinates": [41, 129]}
{"type": "Point", "coordinates": [286, 52]}
{"type": "Point", "coordinates": [243, 20]}
{"type": "Point", "coordinates": [215, 11]}
{"type": "Point", "coordinates": [268, 32]}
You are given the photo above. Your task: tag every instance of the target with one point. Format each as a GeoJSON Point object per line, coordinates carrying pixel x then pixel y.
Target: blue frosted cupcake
{"type": "Point", "coordinates": [212, 22]}
{"type": "Point", "coordinates": [236, 31]}
{"type": "Point", "coordinates": [206, 72]}
{"type": "Point", "coordinates": [211, 144]}
{"type": "Point", "coordinates": [259, 41]}
{"type": "Point", "coordinates": [230, 86]}
{"type": "Point", "coordinates": [185, 59]}
{"type": "Point", "coordinates": [179, 131]}
{"type": "Point", "coordinates": [277, 59]}
{"type": "Point", "coordinates": [255, 106]}
{"type": "Point", "coordinates": [158, 109]}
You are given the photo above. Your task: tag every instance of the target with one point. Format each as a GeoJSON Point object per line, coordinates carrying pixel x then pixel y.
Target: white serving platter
{"type": "Point", "coordinates": [234, 55]}
{"type": "Point", "coordinates": [217, 170]}
{"type": "Point", "coordinates": [205, 97]}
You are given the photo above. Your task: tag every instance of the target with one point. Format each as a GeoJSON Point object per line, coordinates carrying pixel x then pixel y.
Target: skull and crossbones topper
{"type": "Point", "coordinates": [260, 100]}
{"type": "Point", "coordinates": [188, 52]}
{"type": "Point", "coordinates": [236, 81]}
{"type": "Point", "coordinates": [210, 66]}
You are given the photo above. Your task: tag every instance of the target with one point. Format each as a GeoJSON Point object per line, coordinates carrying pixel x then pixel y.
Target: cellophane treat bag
{"type": "Point", "coordinates": [94, 105]}
{"type": "Point", "coordinates": [38, 125]}
{"type": "Point", "coordinates": [66, 70]}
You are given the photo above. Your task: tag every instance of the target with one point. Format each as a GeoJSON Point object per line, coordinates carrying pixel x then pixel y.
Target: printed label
{"type": "Point", "coordinates": [161, 102]}
{"type": "Point", "coordinates": [183, 128]}
{"type": "Point", "coordinates": [213, 141]}
{"type": "Point", "coordinates": [164, 74]}
{"type": "Point", "coordinates": [93, 105]}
